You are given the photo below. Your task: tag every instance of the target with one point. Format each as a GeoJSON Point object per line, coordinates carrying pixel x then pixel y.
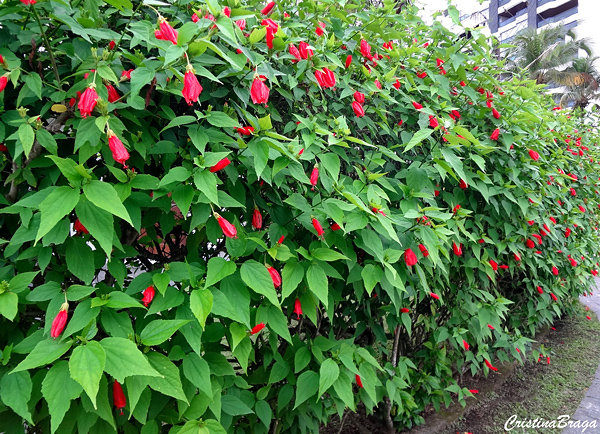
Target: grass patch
{"type": "Point", "coordinates": [538, 390]}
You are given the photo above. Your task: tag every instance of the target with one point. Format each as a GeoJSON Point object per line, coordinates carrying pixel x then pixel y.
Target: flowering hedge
{"type": "Point", "coordinates": [225, 217]}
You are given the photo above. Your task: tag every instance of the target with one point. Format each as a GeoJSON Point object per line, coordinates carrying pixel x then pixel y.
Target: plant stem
{"type": "Point", "coordinates": [48, 46]}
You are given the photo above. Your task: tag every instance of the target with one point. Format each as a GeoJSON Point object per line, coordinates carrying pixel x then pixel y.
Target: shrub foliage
{"type": "Point", "coordinates": [393, 215]}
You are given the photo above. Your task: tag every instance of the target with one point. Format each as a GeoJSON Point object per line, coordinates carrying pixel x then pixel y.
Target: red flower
{"type": "Point", "coordinates": [298, 308]}
{"type": "Point", "coordinates": [281, 239]}
{"type": "Point", "coordinates": [504, 267]}
{"type": "Point", "coordinates": [397, 84]}
{"type": "Point", "coordinates": [119, 152]}
{"type": "Point", "coordinates": [538, 238]}
{"type": "Point", "coordinates": [496, 134]}
{"type": "Point", "coordinates": [79, 228]}
{"type": "Point", "coordinates": [437, 297]}
{"type": "Point", "coordinates": [491, 327]}
{"type": "Point", "coordinates": [405, 310]}
{"type": "Point", "coordinates": [439, 62]}
{"type": "Point", "coordinates": [314, 176]}
{"type": "Point", "coordinates": [409, 257]}
{"type": "Point", "coordinates": [553, 296]}
{"type": "Point", "coordinates": [220, 165]}
{"type": "Point", "coordinates": [553, 220]}
{"type": "Point", "coordinates": [455, 209]}
{"type": "Point", "coordinates": [423, 250]}
{"type": "Point", "coordinates": [274, 276]}
{"type": "Point", "coordinates": [348, 61]}
{"type": "Point", "coordinates": [259, 92]}
{"type": "Point", "coordinates": [416, 105]}
{"type": "Point", "coordinates": [228, 229]}
{"type": "Point", "coordinates": [540, 290]}
{"type": "Point", "coordinates": [113, 95]}
{"type": "Point", "coordinates": [148, 294]}
{"type": "Point", "coordinates": [118, 396]}
{"type": "Point", "coordinates": [489, 365]}
{"type": "Point", "coordinates": [422, 74]}
{"type": "Point", "coordinates": [191, 86]}
{"type": "Point", "coordinates": [359, 97]}
{"type": "Point", "coordinates": [530, 244]}
{"type": "Point", "coordinates": [241, 24]}
{"type": "Point", "coordinates": [365, 49]}
{"type": "Point", "coordinates": [358, 380]}
{"type": "Point", "coordinates": [462, 184]}
{"type": "Point", "coordinates": [457, 249]}
{"type": "Point", "coordinates": [588, 317]}
{"type": "Point", "coordinates": [88, 101]}
{"type": "Point", "coordinates": [269, 37]}
{"type": "Point", "coordinates": [28, 2]}
{"type": "Point", "coordinates": [474, 391]}
{"type": "Point", "coordinates": [494, 265]}
{"type": "Point", "coordinates": [317, 227]}
{"type": "Point", "coordinates": [377, 84]}
{"type": "Point", "coordinates": [294, 52]}
{"type": "Point", "coordinates": [581, 208]}
{"type": "Point", "coordinates": [319, 29]}
{"type": "Point", "coordinates": [111, 45]}
{"type": "Point", "coordinates": [268, 8]}
{"type": "Point", "coordinates": [305, 51]}
{"type": "Point", "coordinates": [517, 257]}
{"type": "Point", "coordinates": [433, 122]}
{"type": "Point", "coordinates": [495, 113]}
{"type": "Point", "coordinates": [126, 75]}
{"type": "Point", "coordinates": [257, 328]}
{"type": "Point", "coordinates": [195, 19]}
{"type": "Point", "coordinates": [60, 321]}
{"type": "Point", "coordinates": [534, 155]}
{"type": "Point", "coordinates": [325, 78]}
{"type": "Point", "coordinates": [555, 271]}
{"type": "Point", "coordinates": [227, 11]}
{"type": "Point", "coordinates": [245, 131]}
{"type": "Point", "coordinates": [567, 232]}
{"type": "Point", "coordinates": [256, 219]}
{"type": "Point", "coordinates": [335, 227]}
{"type": "Point", "coordinates": [358, 109]}
{"type": "Point", "coordinates": [167, 32]}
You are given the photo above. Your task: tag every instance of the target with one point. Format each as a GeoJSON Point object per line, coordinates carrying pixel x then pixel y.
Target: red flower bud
{"type": "Point", "coordinates": [220, 165]}
{"type": "Point", "coordinates": [365, 49]}
{"type": "Point", "coordinates": [534, 155]}
{"type": "Point", "coordinates": [555, 271]}
{"type": "Point", "coordinates": [422, 74]}
{"type": "Point", "coordinates": [119, 152]}
{"type": "Point", "coordinates": [256, 219]}
{"type": "Point", "coordinates": [548, 360]}
{"type": "Point", "coordinates": [581, 208]}
{"type": "Point", "coordinates": [118, 396]}
{"type": "Point", "coordinates": [463, 84]}
{"type": "Point", "coordinates": [496, 134]}
{"type": "Point", "coordinates": [167, 32]}
{"type": "Point", "coordinates": [60, 321]}
{"type": "Point", "coordinates": [359, 97]}
{"type": "Point", "coordinates": [466, 345]}
{"type": "Point", "coordinates": [489, 365]}
{"type": "Point", "coordinates": [228, 229]}
{"type": "Point", "coordinates": [298, 308]}
{"type": "Point", "coordinates": [588, 317]}
{"type": "Point", "coordinates": [423, 250]}
{"type": "Point", "coordinates": [113, 95]}
{"type": "Point", "coordinates": [195, 19]}
{"type": "Point", "coordinates": [377, 84]}
{"type": "Point", "coordinates": [281, 239]}
{"type": "Point", "coordinates": [517, 257]}
{"type": "Point", "coordinates": [433, 122]}
{"type": "Point", "coordinates": [259, 92]}
{"type": "Point", "coordinates": [473, 391]}
{"type": "Point", "coordinates": [437, 297]}
{"type": "Point", "coordinates": [305, 52]}
{"type": "Point", "coordinates": [416, 105]}
{"type": "Point", "coordinates": [491, 327]}
{"type": "Point", "coordinates": [317, 227]}
{"type": "Point", "coordinates": [530, 244]}
{"type": "Point", "coordinates": [358, 380]}
{"type": "Point", "coordinates": [112, 45]}
{"type": "Point", "coordinates": [241, 24]}
{"type": "Point", "coordinates": [494, 265]}
{"type": "Point", "coordinates": [319, 29]}
{"type": "Point", "coordinates": [314, 176]}
{"type": "Point", "coordinates": [405, 310]}
{"type": "Point", "coordinates": [79, 228]}
{"type": "Point", "coordinates": [335, 227]}
{"type": "Point", "coordinates": [148, 295]}
{"type": "Point", "coordinates": [227, 11]}
{"type": "Point", "coordinates": [268, 8]}
{"type": "Point", "coordinates": [457, 249]}
{"type": "Point", "coordinates": [191, 86]}
{"type": "Point", "coordinates": [495, 113]}
{"type": "Point", "coordinates": [540, 290]}
{"type": "Point", "coordinates": [88, 101]}
{"type": "Point", "coordinates": [409, 257]}
{"type": "Point", "coordinates": [504, 267]}
{"type": "Point", "coordinates": [462, 184]}
{"type": "Point", "coordinates": [274, 276]}
{"type": "Point", "coordinates": [553, 296]}
{"type": "Point", "coordinates": [294, 52]}
{"type": "Point", "coordinates": [257, 328]}
{"type": "Point", "coordinates": [359, 111]}
{"type": "Point", "coordinates": [455, 209]}
{"type": "Point", "coordinates": [397, 84]}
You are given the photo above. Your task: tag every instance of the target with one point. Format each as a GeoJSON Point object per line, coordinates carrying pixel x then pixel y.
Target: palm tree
{"type": "Point", "coordinates": [542, 53]}
{"type": "Point", "coordinates": [581, 80]}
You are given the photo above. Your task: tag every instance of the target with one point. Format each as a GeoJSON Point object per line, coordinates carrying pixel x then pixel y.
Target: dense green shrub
{"type": "Point", "coordinates": [397, 298]}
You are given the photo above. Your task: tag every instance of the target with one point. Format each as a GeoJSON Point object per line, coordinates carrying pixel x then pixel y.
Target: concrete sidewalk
{"type": "Point", "coordinates": [588, 411]}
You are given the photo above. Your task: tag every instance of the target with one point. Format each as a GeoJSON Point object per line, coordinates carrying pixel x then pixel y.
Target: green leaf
{"type": "Point", "coordinates": [139, 78]}
{"type": "Point", "coordinates": [158, 331]}
{"type": "Point", "coordinates": [120, 300]}
{"type": "Point", "coordinates": [45, 352]}
{"type": "Point", "coordinates": [161, 281]}
{"type": "Point", "coordinates": [84, 313]}
{"type": "Point", "coordinates": [180, 120]}
{"type": "Point", "coordinates": [59, 389]}
{"type": "Point", "coordinates": [15, 390]}
{"type": "Point", "coordinates": [220, 119]}
{"type": "Point", "coordinates": [317, 283]}
{"type": "Point", "coordinates": [214, 427]}
{"type": "Point", "coordinates": [55, 207]}
{"type": "Point", "coordinates": [418, 138]}
{"type": "Point", "coordinates": [201, 302]}
{"type": "Point", "coordinates": [27, 137]}
{"type": "Point", "coordinates": [123, 359]}
{"type": "Point", "coordinates": [301, 359]}
{"type": "Point", "coordinates": [120, 4]}
{"type": "Point", "coordinates": [176, 174]}
{"type": "Point", "coordinates": [87, 131]}
{"type": "Point", "coordinates": [343, 388]}
{"type": "Point", "coordinates": [328, 373]}
{"type": "Point", "coordinates": [238, 333]}
{"type": "Point", "coordinates": [277, 321]}
{"type": "Point", "coordinates": [324, 254]}
{"type": "Point", "coordinates": [306, 386]}
{"type": "Point", "coordinates": [217, 269]}
{"type": "Point", "coordinates": [372, 275]}
{"type": "Point", "coordinates": [98, 222]}
{"type": "Point", "coordinates": [86, 366]}
{"type": "Point", "coordinates": [46, 140]}
{"type": "Point", "coordinates": [291, 276]}
{"type": "Point", "coordinates": [234, 406]}
{"type": "Point", "coordinates": [9, 305]}
{"type": "Point", "coordinates": [170, 383]}
{"type": "Point", "coordinates": [206, 182]}
{"type": "Point", "coordinates": [80, 259]}
{"type": "Point", "coordinates": [331, 163]}
{"type": "Point", "coordinates": [34, 82]}
{"type": "Point", "coordinates": [257, 35]}
{"type": "Point", "coordinates": [265, 123]}
{"type": "Point", "coordinates": [256, 276]}
{"type": "Point", "coordinates": [103, 195]}
{"type": "Point", "coordinates": [197, 371]}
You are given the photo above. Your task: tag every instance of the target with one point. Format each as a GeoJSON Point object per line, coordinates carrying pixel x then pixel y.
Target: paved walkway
{"type": "Point", "coordinates": [588, 411]}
